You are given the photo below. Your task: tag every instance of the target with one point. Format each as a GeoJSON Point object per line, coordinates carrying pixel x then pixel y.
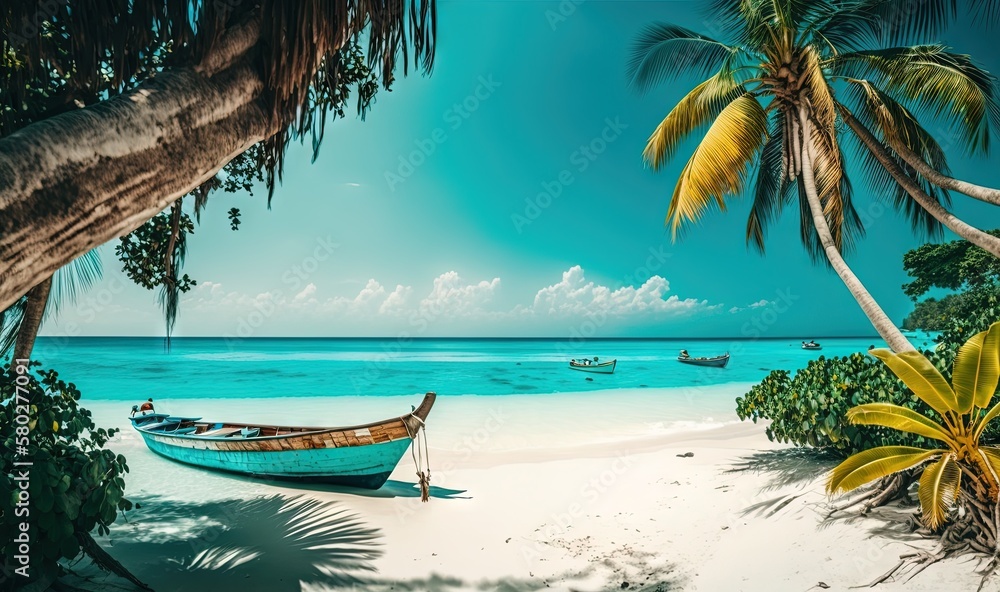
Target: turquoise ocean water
{"type": "Point", "coordinates": [113, 368]}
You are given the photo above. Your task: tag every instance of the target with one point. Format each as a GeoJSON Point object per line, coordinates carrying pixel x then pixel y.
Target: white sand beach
{"type": "Point", "coordinates": [570, 492]}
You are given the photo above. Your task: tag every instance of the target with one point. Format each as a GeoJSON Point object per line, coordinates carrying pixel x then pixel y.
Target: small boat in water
{"type": "Point", "coordinates": [811, 345]}
{"type": "Point", "coordinates": [586, 365]}
{"type": "Point", "coordinates": [358, 456]}
{"type": "Point", "coordinates": [716, 362]}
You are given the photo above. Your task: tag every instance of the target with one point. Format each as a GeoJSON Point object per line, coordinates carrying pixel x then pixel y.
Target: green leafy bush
{"type": "Point", "coordinates": [810, 408]}
{"type": "Point", "coordinates": [76, 485]}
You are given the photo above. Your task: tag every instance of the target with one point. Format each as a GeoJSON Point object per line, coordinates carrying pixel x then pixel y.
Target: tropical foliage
{"type": "Point", "coordinates": [65, 287]}
{"type": "Point", "coordinates": [775, 100]}
{"type": "Point", "coordinates": [959, 470]}
{"type": "Point", "coordinates": [76, 485]}
{"type": "Point", "coordinates": [953, 265]}
{"type": "Point", "coordinates": [969, 271]}
{"type": "Point", "coordinates": [809, 407]}
{"type": "Point", "coordinates": [268, 72]}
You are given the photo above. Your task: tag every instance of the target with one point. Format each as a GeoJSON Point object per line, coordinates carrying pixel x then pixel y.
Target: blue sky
{"type": "Point", "coordinates": [505, 195]}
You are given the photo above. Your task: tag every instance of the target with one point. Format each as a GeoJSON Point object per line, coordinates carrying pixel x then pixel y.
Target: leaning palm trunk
{"type": "Point", "coordinates": [953, 223]}
{"type": "Point", "coordinates": [972, 190]}
{"type": "Point", "coordinates": [882, 323]}
{"type": "Point", "coordinates": [87, 176]}
{"type": "Point", "coordinates": [34, 310]}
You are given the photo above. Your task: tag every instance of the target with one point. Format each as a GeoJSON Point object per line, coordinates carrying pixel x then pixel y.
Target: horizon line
{"type": "Point", "coordinates": [462, 338]}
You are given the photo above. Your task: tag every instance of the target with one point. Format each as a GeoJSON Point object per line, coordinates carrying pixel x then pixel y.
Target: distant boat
{"type": "Point", "coordinates": [811, 345]}
{"type": "Point", "coordinates": [594, 366]}
{"type": "Point", "coordinates": [357, 456]}
{"type": "Point", "coordinates": [717, 362]}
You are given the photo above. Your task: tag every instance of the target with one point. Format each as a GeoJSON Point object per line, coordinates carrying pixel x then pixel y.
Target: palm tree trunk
{"type": "Point", "coordinates": [34, 310]}
{"type": "Point", "coordinates": [972, 190]}
{"type": "Point", "coordinates": [74, 181]}
{"type": "Point", "coordinates": [882, 323]}
{"type": "Point", "coordinates": [953, 223]}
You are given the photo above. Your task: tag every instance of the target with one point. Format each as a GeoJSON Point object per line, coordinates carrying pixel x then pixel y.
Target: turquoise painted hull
{"type": "Point", "coordinates": [356, 466]}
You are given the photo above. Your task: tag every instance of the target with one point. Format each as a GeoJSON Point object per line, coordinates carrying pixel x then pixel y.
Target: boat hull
{"type": "Point", "coordinates": [606, 368]}
{"type": "Point", "coordinates": [357, 456]}
{"type": "Point", "coordinates": [366, 467]}
{"type": "Point", "coordinates": [708, 362]}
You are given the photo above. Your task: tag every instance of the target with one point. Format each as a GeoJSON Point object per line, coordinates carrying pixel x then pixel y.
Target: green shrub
{"type": "Point", "coordinates": [810, 408]}
{"type": "Point", "coordinates": [76, 485]}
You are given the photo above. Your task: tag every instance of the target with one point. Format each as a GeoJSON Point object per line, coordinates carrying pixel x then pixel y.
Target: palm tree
{"type": "Point", "coordinates": [171, 91]}
{"type": "Point", "coordinates": [19, 324]}
{"type": "Point", "coordinates": [777, 94]}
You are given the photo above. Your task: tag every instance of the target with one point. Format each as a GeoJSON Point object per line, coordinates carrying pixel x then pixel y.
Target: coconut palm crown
{"type": "Point", "coordinates": [776, 94]}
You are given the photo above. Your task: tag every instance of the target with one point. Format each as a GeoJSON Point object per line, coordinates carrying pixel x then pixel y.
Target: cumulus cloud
{"type": "Point", "coordinates": [575, 295]}
{"type": "Point", "coordinates": [306, 294]}
{"type": "Point", "coordinates": [451, 296]}
{"type": "Point", "coordinates": [395, 302]}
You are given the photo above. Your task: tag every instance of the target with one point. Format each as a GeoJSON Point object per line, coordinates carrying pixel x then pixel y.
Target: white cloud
{"type": "Point", "coordinates": [306, 294]}
{"type": "Point", "coordinates": [395, 302]}
{"type": "Point", "coordinates": [574, 295]}
{"type": "Point", "coordinates": [759, 304]}
{"type": "Point", "coordinates": [451, 297]}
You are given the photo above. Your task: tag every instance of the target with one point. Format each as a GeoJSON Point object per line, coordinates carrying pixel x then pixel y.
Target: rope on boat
{"type": "Point", "coordinates": [422, 459]}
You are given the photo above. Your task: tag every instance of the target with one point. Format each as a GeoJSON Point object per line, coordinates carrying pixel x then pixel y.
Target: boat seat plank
{"type": "Point", "coordinates": [221, 433]}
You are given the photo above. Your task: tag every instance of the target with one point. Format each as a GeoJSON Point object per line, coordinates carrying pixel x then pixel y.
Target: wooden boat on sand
{"type": "Point", "coordinates": [593, 366]}
{"type": "Point", "coordinates": [717, 362]}
{"type": "Point", "coordinates": [358, 456]}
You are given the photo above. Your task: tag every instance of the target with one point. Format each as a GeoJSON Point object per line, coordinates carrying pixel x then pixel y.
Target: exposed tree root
{"type": "Point", "coordinates": [884, 491]}
{"type": "Point", "coordinates": [913, 563]}
{"type": "Point", "coordinates": [105, 561]}
{"type": "Point", "coordinates": [973, 530]}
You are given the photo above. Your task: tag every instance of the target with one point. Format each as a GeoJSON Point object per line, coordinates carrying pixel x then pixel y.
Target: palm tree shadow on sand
{"type": "Point", "coordinates": [784, 468]}
{"type": "Point", "coordinates": [271, 543]}
{"type": "Point", "coordinates": [288, 544]}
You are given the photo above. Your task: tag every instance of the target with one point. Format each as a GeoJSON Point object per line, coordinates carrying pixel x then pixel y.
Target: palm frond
{"type": "Point", "coordinates": [938, 490]}
{"type": "Point", "coordinates": [833, 188]}
{"type": "Point", "coordinates": [843, 26]}
{"type": "Point", "coordinates": [987, 11]}
{"type": "Point", "coordinates": [992, 456]}
{"type": "Point", "coordinates": [980, 425]}
{"type": "Point", "coordinates": [702, 105]}
{"type": "Point", "coordinates": [10, 325]}
{"type": "Point", "coordinates": [921, 377]}
{"type": "Point", "coordinates": [902, 21]}
{"type": "Point", "coordinates": [817, 89]}
{"type": "Point", "coordinates": [71, 280]}
{"type": "Point", "coordinates": [771, 191]}
{"type": "Point", "coordinates": [718, 166]}
{"type": "Point", "coordinates": [663, 51]}
{"type": "Point", "coordinates": [898, 418]}
{"type": "Point", "coordinates": [875, 463]}
{"type": "Point", "coordinates": [877, 111]}
{"type": "Point", "coordinates": [977, 370]}
{"type": "Point", "coordinates": [943, 84]}
{"type": "Point", "coordinates": [740, 19]}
